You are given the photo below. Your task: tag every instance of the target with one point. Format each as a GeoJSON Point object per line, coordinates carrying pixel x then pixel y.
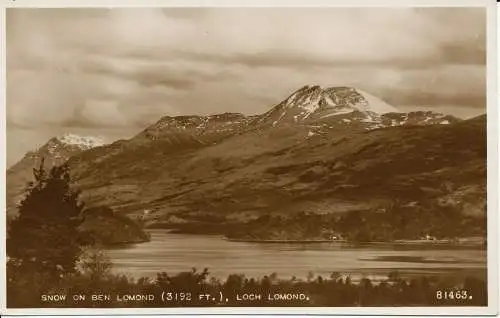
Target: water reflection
{"type": "Point", "coordinates": [174, 253]}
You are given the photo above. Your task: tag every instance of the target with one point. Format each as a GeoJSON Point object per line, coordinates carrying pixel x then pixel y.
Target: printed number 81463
{"type": "Point", "coordinates": [452, 294]}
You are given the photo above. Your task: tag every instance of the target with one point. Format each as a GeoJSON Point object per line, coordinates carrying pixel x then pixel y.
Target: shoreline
{"type": "Point", "coordinates": [282, 241]}
{"type": "Point", "coordinates": [395, 242]}
{"type": "Point", "coordinates": [461, 242]}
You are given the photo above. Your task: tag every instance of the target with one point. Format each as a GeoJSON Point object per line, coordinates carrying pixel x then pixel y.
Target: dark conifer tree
{"type": "Point", "coordinates": [43, 238]}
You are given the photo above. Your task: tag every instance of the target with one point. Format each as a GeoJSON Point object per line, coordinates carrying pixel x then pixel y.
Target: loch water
{"type": "Point", "coordinates": [174, 253]}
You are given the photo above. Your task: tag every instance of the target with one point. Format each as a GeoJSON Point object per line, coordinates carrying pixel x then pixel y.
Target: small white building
{"type": "Point", "coordinates": [428, 237]}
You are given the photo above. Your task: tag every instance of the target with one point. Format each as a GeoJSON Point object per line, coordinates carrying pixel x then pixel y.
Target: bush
{"type": "Point", "coordinates": [94, 264]}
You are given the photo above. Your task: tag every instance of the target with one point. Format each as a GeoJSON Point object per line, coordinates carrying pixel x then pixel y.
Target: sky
{"type": "Point", "coordinates": [112, 72]}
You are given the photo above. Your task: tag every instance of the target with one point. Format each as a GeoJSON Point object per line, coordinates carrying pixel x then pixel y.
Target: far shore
{"type": "Point", "coordinates": [460, 242]}
{"type": "Point", "coordinates": [283, 241]}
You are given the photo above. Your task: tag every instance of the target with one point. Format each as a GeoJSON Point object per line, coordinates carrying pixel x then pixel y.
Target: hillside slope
{"type": "Point", "coordinates": [287, 170]}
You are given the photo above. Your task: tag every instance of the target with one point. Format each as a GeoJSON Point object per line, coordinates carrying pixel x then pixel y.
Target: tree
{"type": "Point", "coordinates": [94, 264]}
{"type": "Point", "coordinates": [43, 238]}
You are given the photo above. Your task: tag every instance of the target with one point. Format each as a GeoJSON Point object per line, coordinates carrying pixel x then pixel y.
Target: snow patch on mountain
{"type": "Point", "coordinates": [83, 142]}
{"type": "Point", "coordinates": [339, 111]}
{"type": "Point", "coordinates": [375, 104]}
{"type": "Point", "coordinates": [368, 120]}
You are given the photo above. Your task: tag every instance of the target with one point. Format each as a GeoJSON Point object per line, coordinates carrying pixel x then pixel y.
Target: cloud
{"type": "Point", "coordinates": [460, 85]}
{"type": "Point", "coordinates": [124, 68]}
{"type": "Point", "coordinates": [103, 113]}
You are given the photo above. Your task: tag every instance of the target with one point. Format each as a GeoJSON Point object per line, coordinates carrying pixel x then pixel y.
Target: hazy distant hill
{"type": "Point", "coordinates": [55, 151]}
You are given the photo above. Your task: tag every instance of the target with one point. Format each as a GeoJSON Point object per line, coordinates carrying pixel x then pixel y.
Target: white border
{"type": "Point", "coordinates": [492, 160]}
{"type": "Point", "coordinates": [3, 161]}
{"type": "Point", "coordinates": [493, 117]}
{"type": "Point", "coordinates": [245, 3]}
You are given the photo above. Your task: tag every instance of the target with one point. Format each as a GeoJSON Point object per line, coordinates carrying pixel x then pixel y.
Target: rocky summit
{"type": "Point", "coordinates": [347, 107]}
{"type": "Point", "coordinates": [315, 102]}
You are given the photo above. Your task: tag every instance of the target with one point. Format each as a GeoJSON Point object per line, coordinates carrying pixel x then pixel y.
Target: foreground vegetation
{"type": "Point", "coordinates": [337, 290]}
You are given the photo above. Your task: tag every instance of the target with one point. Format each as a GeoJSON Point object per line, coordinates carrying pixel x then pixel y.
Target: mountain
{"type": "Point", "coordinates": [320, 150]}
{"type": "Point", "coordinates": [56, 151]}
{"type": "Point", "coordinates": [345, 106]}
{"type": "Point", "coordinates": [313, 103]}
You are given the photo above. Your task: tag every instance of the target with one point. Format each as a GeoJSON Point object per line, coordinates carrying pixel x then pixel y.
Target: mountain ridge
{"type": "Point", "coordinates": [232, 164]}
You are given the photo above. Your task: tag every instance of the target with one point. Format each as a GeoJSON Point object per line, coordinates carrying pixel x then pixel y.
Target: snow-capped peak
{"type": "Point", "coordinates": [83, 142]}
{"type": "Point", "coordinates": [313, 98]}
{"type": "Point", "coordinates": [312, 102]}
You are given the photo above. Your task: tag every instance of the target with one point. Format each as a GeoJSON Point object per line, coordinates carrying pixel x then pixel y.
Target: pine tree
{"type": "Point", "coordinates": [44, 238]}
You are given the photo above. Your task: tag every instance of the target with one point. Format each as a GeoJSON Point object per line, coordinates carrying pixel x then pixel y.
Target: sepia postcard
{"type": "Point", "coordinates": [249, 157]}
